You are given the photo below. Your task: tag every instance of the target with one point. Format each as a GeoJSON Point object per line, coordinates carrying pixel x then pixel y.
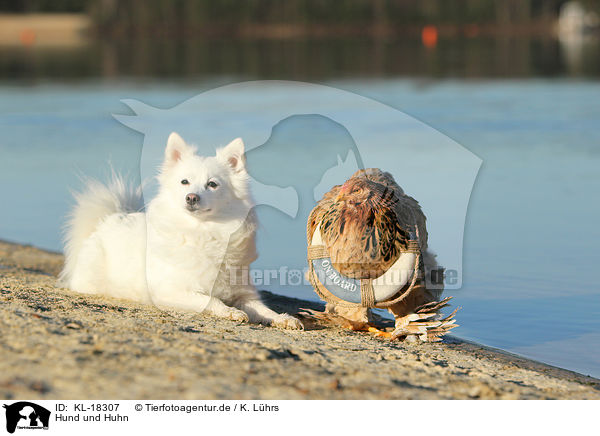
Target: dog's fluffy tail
{"type": "Point", "coordinates": [94, 203]}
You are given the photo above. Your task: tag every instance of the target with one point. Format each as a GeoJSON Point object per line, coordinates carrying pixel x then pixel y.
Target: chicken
{"type": "Point", "coordinates": [364, 227]}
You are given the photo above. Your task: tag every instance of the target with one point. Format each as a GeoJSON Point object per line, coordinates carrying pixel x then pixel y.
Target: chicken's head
{"type": "Point", "coordinates": [363, 191]}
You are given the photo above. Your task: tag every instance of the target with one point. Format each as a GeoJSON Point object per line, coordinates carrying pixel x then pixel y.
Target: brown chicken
{"type": "Point", "coordinates": [365, 225]}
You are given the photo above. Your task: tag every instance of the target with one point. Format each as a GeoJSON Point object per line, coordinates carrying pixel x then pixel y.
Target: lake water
{"type": "Point", "coordinates": [530, 254]}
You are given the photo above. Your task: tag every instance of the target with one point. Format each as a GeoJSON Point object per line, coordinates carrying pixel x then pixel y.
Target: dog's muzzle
{"type": "Point", "coordinates": [192, 201]}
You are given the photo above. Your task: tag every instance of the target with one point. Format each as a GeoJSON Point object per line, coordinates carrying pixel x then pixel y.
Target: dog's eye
{"type": "Point", "coordinates": [212, 184]}
{"type": "Point", "coordinates": [185, 182]}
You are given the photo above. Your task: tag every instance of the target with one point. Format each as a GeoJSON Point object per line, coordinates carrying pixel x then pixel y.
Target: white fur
{"type": "Point", "coordinates": [175, 255]}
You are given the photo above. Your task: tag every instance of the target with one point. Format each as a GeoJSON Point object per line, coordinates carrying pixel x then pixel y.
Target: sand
{"type": "Point", "coordinates": [58, 344]}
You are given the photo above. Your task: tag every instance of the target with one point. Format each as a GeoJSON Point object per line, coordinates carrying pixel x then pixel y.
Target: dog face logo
{"type": "Point", "coordinates": [26, 415]}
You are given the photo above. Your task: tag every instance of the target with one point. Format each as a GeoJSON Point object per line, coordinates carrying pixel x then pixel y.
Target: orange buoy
{"type": "Point", "coordinates": [429, 36]}
{"type": "Point", "coordinates": [27, 37]}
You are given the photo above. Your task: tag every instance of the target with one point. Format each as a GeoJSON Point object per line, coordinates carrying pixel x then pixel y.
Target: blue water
{"type": "Point", "coordinates": [530, 251]}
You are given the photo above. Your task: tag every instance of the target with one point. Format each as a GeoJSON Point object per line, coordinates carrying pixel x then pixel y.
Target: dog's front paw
{"type": "Point", "coordinates": [285, 321]}
{"type": "Point", "coordinates": [236, 315]}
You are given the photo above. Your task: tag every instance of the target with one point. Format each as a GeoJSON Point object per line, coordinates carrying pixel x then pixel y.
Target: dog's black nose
{"type": "Point", "coordinates": [192, 199]}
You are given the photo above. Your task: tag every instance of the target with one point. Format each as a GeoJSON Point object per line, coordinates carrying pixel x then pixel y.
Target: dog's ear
{"type": "Point", "coordinates": [176, 149]}
{"type": "Point", "coordinates": [233, 155]}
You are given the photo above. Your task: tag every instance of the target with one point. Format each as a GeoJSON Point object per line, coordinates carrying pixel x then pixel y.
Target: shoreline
{"type": "Point", "coordinates": [59, 344]}
{"type": "Point", "coordinates": [44, 30]}
{"type": "Point", "coordinates": [79, 29]}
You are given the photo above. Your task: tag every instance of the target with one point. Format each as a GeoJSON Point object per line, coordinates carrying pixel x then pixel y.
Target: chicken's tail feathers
{"type": "Point", "coordinates": [426, 323]}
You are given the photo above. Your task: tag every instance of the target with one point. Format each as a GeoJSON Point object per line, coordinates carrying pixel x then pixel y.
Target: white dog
{"type": "Point", "coordinates": [192, 248]}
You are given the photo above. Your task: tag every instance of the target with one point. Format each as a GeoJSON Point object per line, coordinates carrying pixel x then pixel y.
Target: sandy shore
{"type": "Point", "coordinates": [57, 344]}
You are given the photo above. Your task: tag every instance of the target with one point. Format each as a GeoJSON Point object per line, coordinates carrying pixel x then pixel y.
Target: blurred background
{"type": "Point", "coordinates": [513, 81]}
{"type": "Point", "coordinates": [298, 39]}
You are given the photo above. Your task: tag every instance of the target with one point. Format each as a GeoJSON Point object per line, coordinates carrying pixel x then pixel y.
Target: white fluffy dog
{"type": "Point", "coordinates": [192, 248]}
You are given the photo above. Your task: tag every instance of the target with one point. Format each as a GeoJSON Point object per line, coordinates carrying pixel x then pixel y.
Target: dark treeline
{"type": "Point", "coordinates": [27, 6]}
{"type": "Point", "coordinates": [185, 17]}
